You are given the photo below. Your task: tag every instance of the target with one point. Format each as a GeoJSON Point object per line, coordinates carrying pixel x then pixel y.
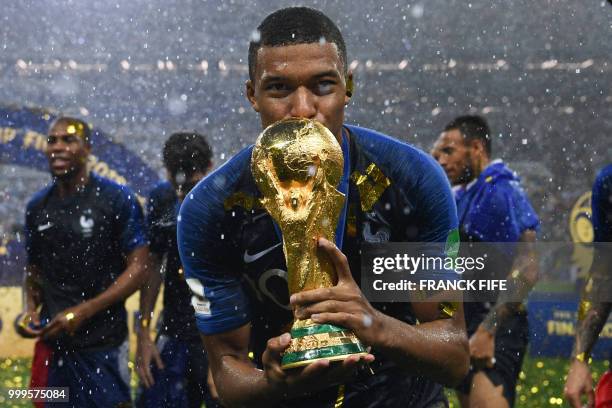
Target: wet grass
{"type": "Point", "coordinates": [540, 384]}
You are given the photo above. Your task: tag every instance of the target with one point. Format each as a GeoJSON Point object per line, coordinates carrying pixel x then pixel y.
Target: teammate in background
{"type": "Point", "coordinates": [86, 252]}
{"type": "Point", "coordinates": [491, 207]}
{"type": "Point", "coordinates": [234, 261]}
{"type": "Point", "coordinates": [595, 304]}
{"type": "Point", "coordinates": [174, 369]}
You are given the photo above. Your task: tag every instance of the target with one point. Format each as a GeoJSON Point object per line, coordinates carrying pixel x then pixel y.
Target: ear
{"type": "Point", "coordinates": [477, 146]}
{"type": "Point", "coordinates": [250, 94]}
{"type": "Point", "coordinates": [350, 87]}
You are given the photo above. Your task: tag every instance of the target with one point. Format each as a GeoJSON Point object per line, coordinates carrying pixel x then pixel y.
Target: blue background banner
{"type": "Point", "coordinates": [552, 323]}
{"type": "Point", "coordinates": [23, 140]}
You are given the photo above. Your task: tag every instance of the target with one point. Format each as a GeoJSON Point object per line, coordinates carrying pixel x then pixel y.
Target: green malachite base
{"type": "Point", "coordinates": [318, 342]}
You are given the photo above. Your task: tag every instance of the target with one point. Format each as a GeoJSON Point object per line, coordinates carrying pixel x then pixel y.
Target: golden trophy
{"type": "Point", "coordinates": [297, 164]}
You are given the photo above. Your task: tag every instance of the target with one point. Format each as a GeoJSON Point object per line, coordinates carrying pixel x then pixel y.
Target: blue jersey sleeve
{"type": "Point", "coordinates": [438, 215]}
{"type": "Point", "coordinates": [219, 300]}
{"type": "Point", "coordinates": [31, 243]}
{"type": "Point", "coordinates": [130, 221]}
{"type": "Point", "coordinates": [438, 208]}
{"type": "Point", "coordinates": [601, 204]}
{"type": "Point", "coordinates": [502, 213]}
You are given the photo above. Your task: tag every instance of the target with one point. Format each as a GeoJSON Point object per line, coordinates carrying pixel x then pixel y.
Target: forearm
{"type": "Point", "coordinates": [522, 278]}
{"type": "Point", "coordinates": [126, 284]}
{"type": "Point", "coordinates": [436, 349]}
{"type": "Point", "coordinates": [595, 303]}
{"type": "Point", "coordinates": [240, 384]}
{"type": "Point", "coordinates": [149, 292]}
{"type": "Point", "coordinates": [508, 303]}
{"type": "Point", "coordinates": [588, 329]}
{"type": "Point", "coordinates": [31, 288]}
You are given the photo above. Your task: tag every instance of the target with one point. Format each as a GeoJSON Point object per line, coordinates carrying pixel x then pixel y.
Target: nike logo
{"type": "Point", "coordinates": [252, 258]}
{"type": "Point", "coordinates": [45, 226]}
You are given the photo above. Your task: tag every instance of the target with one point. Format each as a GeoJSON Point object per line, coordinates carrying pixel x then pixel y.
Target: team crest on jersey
{"type": "Point", "coordinates": [87, 224]}
{"type": "Point", "coordinates": [375, 229]}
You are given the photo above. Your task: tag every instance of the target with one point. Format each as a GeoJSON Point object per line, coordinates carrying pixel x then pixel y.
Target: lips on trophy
{"type": "Point", "coordinates": [297, 164]}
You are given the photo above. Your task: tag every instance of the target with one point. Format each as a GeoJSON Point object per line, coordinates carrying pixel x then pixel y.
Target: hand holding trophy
{"type": "Point", "coordinates": [297, 164]}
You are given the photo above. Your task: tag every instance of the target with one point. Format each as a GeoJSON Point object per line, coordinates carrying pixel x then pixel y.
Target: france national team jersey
{"type": "Point", "coordinates": [601, 204]}
{"type": "Point", "coordinates": [80, 243]}
{"type": "Point", "coordinates": [178, 319]}
{"type": "Point", "coordinates": [494, 207]}
{"type": "Point", "coordinates": [235, 266]}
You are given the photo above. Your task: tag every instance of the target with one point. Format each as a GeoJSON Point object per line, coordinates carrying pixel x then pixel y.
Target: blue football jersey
{"type": "Point", "coordinates": [494, 207]}
{"type": "Point", "coordinates": [80, 244]}
{"type": "Point", "coordinates": [601, 205]}
{"type": "Point", "coordinates": [235, 266]}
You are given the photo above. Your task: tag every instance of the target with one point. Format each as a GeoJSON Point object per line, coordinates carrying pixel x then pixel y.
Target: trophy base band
{"type": "Point", "coordinates": [311, 342]}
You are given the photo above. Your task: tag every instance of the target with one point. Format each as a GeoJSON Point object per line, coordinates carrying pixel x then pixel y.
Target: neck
{"type": "Point", "coordinates": [340, 135]}
{"type": "Point", "coordinates": [480, 165]}
{"type": "Point", "coordinates": [70, 185]}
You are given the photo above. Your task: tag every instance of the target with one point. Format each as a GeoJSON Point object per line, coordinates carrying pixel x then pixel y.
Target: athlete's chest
{"type": "Point", "coordinates": [258, 248]}
{"type": "Point", "coordinates": [78, 222]}
{"type": "Point", "coordinates": [259, 256]}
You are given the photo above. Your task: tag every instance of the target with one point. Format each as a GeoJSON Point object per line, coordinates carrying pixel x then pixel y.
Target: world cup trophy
{"type": "Point", "coordinates": [297, 164]}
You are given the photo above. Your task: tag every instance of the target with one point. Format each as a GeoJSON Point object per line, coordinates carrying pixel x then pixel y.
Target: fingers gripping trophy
{"type": "Point", "coordinates": [297, 164]}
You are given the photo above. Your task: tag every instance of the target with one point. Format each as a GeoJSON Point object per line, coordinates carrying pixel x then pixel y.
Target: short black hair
{"type": "Point", "coordinates": [81, 128]}
{"type": "Point", "coordinates": [187, 152]}
{"type": "Point", "coordinates": [472, 127]}
{"type": "Point", "coordinates": [295, 25]}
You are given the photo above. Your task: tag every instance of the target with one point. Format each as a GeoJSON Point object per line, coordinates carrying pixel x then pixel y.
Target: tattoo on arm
{"type": "Point", "coordinates": [588, 329]}
{"type": "Point", "coordinates": [595, 305]}
{"type": "Point", "coordinates": [521, 279]}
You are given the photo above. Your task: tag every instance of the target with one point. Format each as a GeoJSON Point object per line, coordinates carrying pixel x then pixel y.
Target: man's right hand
{"type": "Point", "coordinates": [23, 321]}
{"type": "Point", "coordinates": [146, 352]}
{"type": "Point", "coordinates": [579, 382]}
{"type": "Point", "coordinates": [311, 378]}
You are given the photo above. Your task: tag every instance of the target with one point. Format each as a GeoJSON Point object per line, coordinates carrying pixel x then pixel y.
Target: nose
{"type": "Point", "coordinates": [57, 146]}
{"type": "Point", "coordinates": [303, 103]}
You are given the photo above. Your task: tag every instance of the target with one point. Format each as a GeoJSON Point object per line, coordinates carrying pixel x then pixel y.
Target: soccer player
{"type": "Point", "coordinates": [234, 261]}
{"type": "Point", "coordinates": [86, 252]}
{"type": "Point", "coordinates": [492, 207]}
{"type": "Point", "coordinates": [178, 378]}
{"type": "Point", "coordinates": [595, 305]}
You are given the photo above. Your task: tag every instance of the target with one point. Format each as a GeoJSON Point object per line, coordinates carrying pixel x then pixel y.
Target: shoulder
{"type": "Point", "coordinates": [162, 192]}
{"type": "Point", "coordinates": [205, 204]}
{"type": "Point", "coordinates": [394, 155]}
{"type": "Point", "coordinates": [105, 187]}
{"type": "Point", "coordinates": [407, 166]}
{"type": "Point", "coordinates": [400, 161]}
{"type": "Point", "coordinates": [38, 198]}
{"type": "Point", "coordinates": [162, 189]}
{"type": "Point", "coordinates": [501, 180]}
{"type": "Point", "coordinates": [221, 183]}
